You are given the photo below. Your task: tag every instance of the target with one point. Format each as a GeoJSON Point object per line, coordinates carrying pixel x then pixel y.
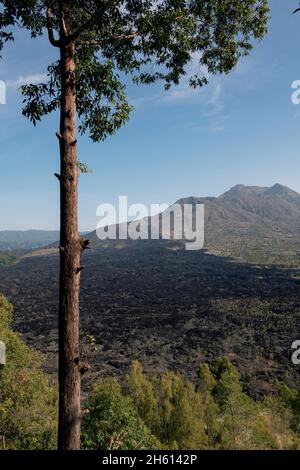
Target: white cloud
{"type": "Point", "coordinates": [26, 80]}
{"type": "Point", "coordinates": [208, 97]}
{"type": "Point", "coordinates": [214, 101]}
{"type": "Point", "coordinates": [184, 91]}
{"type": "Point", "coordinates": [181, 92]}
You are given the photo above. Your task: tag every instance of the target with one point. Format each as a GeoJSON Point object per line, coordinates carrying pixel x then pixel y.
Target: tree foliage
{"type": "Point", "coordinates": [205, 384]}
{"type": "Point", "coordinates": [214, 412]}
{"type": "Point", "coordinates": [6, 21]}
{"type": "Point", "coordinates": [170, 406]}
{"type": "Point", "coordinates": [27, 399]}
{"type": "Point", "coordinates": [111, 421]}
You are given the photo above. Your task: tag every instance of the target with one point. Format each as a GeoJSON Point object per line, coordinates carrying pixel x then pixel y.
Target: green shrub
{"type": "Point", "coordinates": [28, 403]}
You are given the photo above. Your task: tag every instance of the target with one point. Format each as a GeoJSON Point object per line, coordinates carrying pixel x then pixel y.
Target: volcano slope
{"type": "Point", "coordinates": [167, 307]}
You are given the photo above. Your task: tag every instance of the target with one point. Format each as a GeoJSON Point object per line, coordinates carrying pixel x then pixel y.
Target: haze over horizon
{"type": "Point", "coordinates": [277, 186]}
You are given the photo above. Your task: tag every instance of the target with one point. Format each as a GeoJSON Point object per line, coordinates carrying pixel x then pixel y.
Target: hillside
{"type": "Point", "coordinates": [253, 224]}
{"type": "Point", "coordinates": [260, 225]}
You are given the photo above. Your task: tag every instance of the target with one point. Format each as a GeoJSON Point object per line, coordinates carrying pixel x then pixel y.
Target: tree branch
{"type": "Point", "coordinates": [63, 25]}
{"type": "Point", "coordinates": [121, 37]}
{"type": "Point", "coordinates": [54, 42]}
{"type": "Point", "coordinates": [92, 42]}
{"type": "Point", "coordinates": [83, 27]}
{"type": "Point", "coordinates": [100, 42]}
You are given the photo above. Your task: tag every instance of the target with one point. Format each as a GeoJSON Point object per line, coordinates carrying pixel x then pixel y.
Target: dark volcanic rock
{"type": "Point", "coordinates": [168, 307]}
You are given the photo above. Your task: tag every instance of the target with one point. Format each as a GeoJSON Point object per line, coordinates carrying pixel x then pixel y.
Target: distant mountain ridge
{"type": "Point", "coordinates": [259, 224]}
{"type": "Point", "coordinates": [250, 223]}
{"type": "Point", "coordinates": [26, 240]}
{"type": "Point", "coordinates": [255, 224]}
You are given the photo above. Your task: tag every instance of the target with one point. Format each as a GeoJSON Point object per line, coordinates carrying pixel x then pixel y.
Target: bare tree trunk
{"type": "Point", "coordinates": [70, 254]}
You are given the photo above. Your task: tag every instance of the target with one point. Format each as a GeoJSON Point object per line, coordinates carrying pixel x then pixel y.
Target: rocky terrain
{"type": "Point", "coordinates": [167, 307]}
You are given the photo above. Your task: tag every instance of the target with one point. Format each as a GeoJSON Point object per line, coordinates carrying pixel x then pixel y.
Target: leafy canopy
{"type": "Point", "coordinates": [6, 20]}
{"type": "Point", "coordinates": [214, 412]}
{"type": "Point", "coordinates": [147, 40]}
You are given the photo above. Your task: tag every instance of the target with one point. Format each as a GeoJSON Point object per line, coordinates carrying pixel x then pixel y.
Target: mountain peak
{"type": "Point", "coordinates": [279, 190]}
{"type": "Point", "coordinates": [241, 189]}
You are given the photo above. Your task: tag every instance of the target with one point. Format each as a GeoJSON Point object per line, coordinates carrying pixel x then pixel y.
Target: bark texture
{"type": "Point", "coordinates": [70, 255]}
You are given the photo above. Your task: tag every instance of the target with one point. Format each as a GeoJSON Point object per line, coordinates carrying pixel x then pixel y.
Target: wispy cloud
{"type": "Point", "coordinates": [209, 123]}
{"type": "Point", "coordinates": [26, 80]}
{"type": "Point", "coordinates": [208, 98]}
{"type": "Point", "coordinates": [182, 92]}
{"type": "Point", "coordinates": [214, 102]}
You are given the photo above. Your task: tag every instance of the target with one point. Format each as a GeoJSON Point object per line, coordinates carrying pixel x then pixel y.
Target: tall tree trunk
{"type": "Point", "coordinates": [70, 254]}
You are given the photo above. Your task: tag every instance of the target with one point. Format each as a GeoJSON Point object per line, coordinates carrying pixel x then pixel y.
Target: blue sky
{"type": "Point", "coordinates": [241, 128]}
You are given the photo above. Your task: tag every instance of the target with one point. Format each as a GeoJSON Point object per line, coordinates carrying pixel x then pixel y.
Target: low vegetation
{"type": "Point", "coordinates": [7, 259]}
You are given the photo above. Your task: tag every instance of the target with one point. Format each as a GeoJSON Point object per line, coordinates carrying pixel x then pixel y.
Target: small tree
{"type": "Point", "coordinates": [170, 406]}
{"type": "Point", "coordinates": [142, 391]}
{"type": "Point", "coordinates": [211, 413]}
{"type": "Point", "coordinates": [111, 421]}
{"type": "Point", "coordinates": [96, 41]}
